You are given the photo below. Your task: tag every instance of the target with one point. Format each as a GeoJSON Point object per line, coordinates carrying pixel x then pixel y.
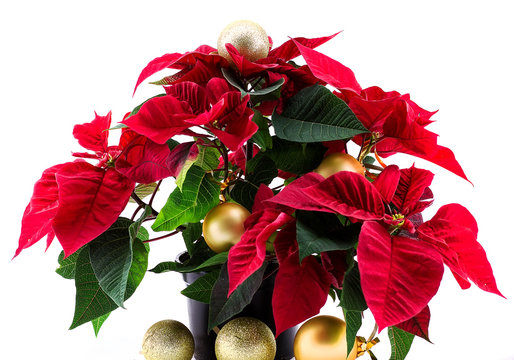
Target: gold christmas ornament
{"type": "Point", "coordinates": [248, 38]}
{"type": "Point", "coordinates": [223, 226]}
{"type": "Point", "coordinates": [245, 338]}
{"type": "Point", "coordinates": [336, 162]}
{"type": "Point", "coordinates": [168, 340]}
{"type": "Point", "coordinates": [323, 338]}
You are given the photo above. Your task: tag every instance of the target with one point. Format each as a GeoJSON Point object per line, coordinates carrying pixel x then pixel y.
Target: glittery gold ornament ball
{"type": "Point", "coordinates": [245, 338]}
{"type": "Point", "coordinates": [168, 340]}
{"type": "Point", "coordinates": [323, 338]}
{"type": "Point", "coordinates": [248, 38]}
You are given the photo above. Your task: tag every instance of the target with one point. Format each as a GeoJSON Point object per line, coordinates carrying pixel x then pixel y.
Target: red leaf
{"type": "Point", "coordinates": [335, 264]}
{"type": "Point", "coordinates": [417, 325]}
{"type": "Point", "coordinates": [90, 200]}
{"type": "Point", "coordinates": [234, 125]}
{"type": "Point", "coordinates": [329, 70]}
{"type": "Point", "coordinates": [245, 66]}
{"type": "Point", "coordinates": [294, 197]}
{"type": "Point", "coordinates": [192, 93]}
{"type": "Point", "coordinates": [161, 118]}
{"type": "Point", "coordinates": [264, 193]}
{"type": "Point", "coordinates": [93, 136]}
{"type": "Point", "coordinates": [453, 231]}
{"type": "Point", "coordinates": [216, 88]}
{"type": "Point", "coordinates": [180, 154]}
{"type": "Point", "coordinates": [245, 257]}
{"type": "Point", "coordinates": [143, 160]}
{"type": "Point", "coordinates": [348, 194]}
{"type": "Point", "coordinates": [413, 184]}
{"type": "Point", "coordinates": [300, 291]}
{"type": "Point", "coordinates": [387, 182]}
{"type": "Point", "coordinates": [399, 275]}
{"type": "Point", "coordinates": [156, 65]}
{"type": "Point", "coordinates": [285, 243]}
{"type": "Point", "coordinates": [289, 50]}
{"type": "Point", "coordinates": [39, 213]}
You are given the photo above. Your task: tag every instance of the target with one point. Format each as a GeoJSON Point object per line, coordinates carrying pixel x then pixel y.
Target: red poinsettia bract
{"type": "Point", "coordinates": [77, 201]}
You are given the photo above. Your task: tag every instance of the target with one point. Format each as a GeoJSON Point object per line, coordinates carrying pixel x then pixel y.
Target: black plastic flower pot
{"type": "Point", "coordinates": [259, 308]}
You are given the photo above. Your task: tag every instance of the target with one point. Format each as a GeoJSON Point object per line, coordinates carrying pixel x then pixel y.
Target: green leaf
{"type": "Point", "coordinates": [259, 170]}
{"type": "Point", "coordinates": [208, 158]}
{"type": "Point", "coordinates": [199, 194]}
{"type": "Point", "coordinates": [262, 137]}
{"type": "Point", "coordinates": [192, 232]}
{"type": "Point", "coordinates": [67, 266]}
{"type": "Point", "coordinates": [318, 232]}
{"type": "Point", "coordinates": [135, 229]}
{"type": "Point", "coordinates": [144, 190]}
{"type": "Point", "coordinates": [353, 324]}
{"type": "Point", "coordinates": [295, 157]}
{"type": "Point", "coordinates": [401, 342]}
{"type": "Point", "coordinates": [232, 80]}
{"type": "Point", "coordinates": [98, 322]}
{"type": "Point", "coordinates": [271, 92]}
{"type": "Point", "coordinates": [222, 308]}
{"type": "Point", "coordinates": [117, 126]}
{"type": "Point", "coordinates": [91, 301]}
{"type": "Point", "coordinates": [352, 298]}
{"type": "Point", "coordinates": [200, 290]}
{"type": "Point", "coordinates": [111, 258]}
{"type": "Point", "coordinates": [314, 114]}
{"type": "Point", "coordinates": [201, 254]}
{"type": "Point", "coordinates": [217, 259]}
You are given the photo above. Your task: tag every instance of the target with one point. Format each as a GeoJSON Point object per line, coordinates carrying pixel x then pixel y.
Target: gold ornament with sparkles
{"type": "Point", "coordinates": [223, 226]}
{"type": "Point", "coordinates": [245, 338]}
{"type": "Point", "coordinates": [323, 338]}
{"type": "Point", "coordinates": [247, 37]}
{"type": "Point", "coordinates": [168, 340]}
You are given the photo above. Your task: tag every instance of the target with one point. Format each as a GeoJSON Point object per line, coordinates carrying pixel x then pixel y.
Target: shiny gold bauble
{"type": "Point", "coordinates": [323, 338]}
{"type": "Point", "coordinates": [245, 338]}
{"type": "Point", "coordinates": [168, 340]}
{"type": "Point", "coordinates": [336, 162]}
{"type": "Point", "coordinates": [223, 226]}
{"type": "Point", "coordinates": [248, 38]}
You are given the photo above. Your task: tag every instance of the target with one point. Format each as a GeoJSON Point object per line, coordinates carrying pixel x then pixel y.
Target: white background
{"type": "Point", "coordinates": [62, 60]}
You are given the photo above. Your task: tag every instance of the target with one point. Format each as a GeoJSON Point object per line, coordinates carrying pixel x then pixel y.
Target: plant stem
{"type": "Point", "coordinates": [154, 193]}
{"type": "Point", "coordinates": [375, 329]}
{"type": "Point", "coordinates": [141, 203]}
{"type": "Point", "coordinates": [163, 236]}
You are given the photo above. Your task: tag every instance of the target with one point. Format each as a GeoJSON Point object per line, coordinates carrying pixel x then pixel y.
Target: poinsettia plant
{"type": "Point", "coordinates": [276, 138]}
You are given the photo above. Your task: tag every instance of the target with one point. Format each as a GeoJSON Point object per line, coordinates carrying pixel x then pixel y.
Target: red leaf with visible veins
{"type": "Point", "coordinates": [90, 200]}
{"type": "Point", "coordinates": [413, 184]}
{"type": "Point", "coordinates": [453, 231]}
{"type": "Point", "coordinates": [387, 182]}
{"type": "Point", "coordinates": [399, 275]}
{"type": "Point", "coordinates": [300, 291]}
{"type": "Point", "coordinates": [417, 325]}
{"type": "Point", "coordinates": [39, 213]}
{"type": "Point", "coordinates": [161, 118]}
{"type": "Point", "coordinates": [245, 257]}
{"type": "Point", "coordinates": [143, 160]}
{"type": "Point", "coordinates": [93, 135]}
{"type": "Point", "coordinates": [349, 194]}
{"type": "Point", "coordinates": [285, 243]}
{"type": "Point", "coordinates": [192, 93]}
{"type": "Point", "coordinates": [289, 50]}
{"type": "Point", "coordinates": [329, 70]}
{"type": "Point", "coordinates": [294, 197]}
